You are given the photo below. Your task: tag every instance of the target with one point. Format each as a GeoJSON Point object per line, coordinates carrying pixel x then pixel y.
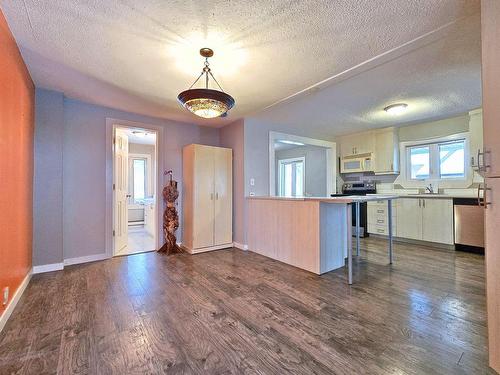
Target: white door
{"type": "Point", "coordinates": [120, 185]}
{"type": "Point", "coordinates": [409, 218]}
{"type": "Point", "coordinates": [223, 233]}
{"type": "Point", "coordinates": [204, 197]}
{"type": "Point", "coordinates": [437, 220]}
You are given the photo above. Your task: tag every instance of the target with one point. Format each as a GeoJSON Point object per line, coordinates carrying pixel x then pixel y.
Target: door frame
{"type": "Point", "coordinates": [111, 125]}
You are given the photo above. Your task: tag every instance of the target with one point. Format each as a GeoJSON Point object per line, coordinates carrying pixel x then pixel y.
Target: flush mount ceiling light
{"type": "Point", "coordinates": [396, 109]}
{"type": "Point", "coordinates": [206, 102]}
{"type": "Point", "coordinates": [140, 134]}
{"type": "Point", "coordinates": [287, 142]}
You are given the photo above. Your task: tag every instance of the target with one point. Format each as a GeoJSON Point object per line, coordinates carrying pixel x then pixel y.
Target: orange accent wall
{"type": "Point", "coordinates": [16, 163]}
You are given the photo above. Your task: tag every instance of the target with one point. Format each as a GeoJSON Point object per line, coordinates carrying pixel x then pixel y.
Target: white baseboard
{"type": "Point", "coordinates": [85, 259]}
{"type": "Point", "coordinates": [205, 249]}
{"type": "Point", "coordinates": [13, 302]}
{"type": "Point", "coordinates": [48, 268]}
{"type": "Point", "coordinates": [240, 246]}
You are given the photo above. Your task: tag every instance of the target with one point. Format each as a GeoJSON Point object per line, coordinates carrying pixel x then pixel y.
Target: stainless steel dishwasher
{"type": "Point", "coordinates": [469, 225]}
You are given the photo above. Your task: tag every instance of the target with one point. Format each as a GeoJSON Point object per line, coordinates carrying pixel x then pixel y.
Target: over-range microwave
{"type": "Point", "coordinates": [356, 163]}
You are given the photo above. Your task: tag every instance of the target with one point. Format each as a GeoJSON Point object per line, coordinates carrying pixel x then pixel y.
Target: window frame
{"type": "Point", "coordinates": [434, 166]}
{"type": "Point", "coordinates": [281, 164]}
{"type": "Point", "coordinates": [408, 160]}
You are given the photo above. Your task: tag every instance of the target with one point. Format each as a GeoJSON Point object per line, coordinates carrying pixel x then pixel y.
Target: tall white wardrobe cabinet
{"type": "Point", "coordinates": [207, 198]}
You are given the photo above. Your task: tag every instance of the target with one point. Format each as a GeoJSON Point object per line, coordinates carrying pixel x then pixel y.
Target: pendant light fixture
{"type": "Point", "coordinates": [206, 102]}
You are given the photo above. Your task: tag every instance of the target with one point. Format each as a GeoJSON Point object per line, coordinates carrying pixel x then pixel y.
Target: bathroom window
{"type": "Point", "coordinates": [140, 184]}
{"type": "Point", "coordinates": [139, 178]}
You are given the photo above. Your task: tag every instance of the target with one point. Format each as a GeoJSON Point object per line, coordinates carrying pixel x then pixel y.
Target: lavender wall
{"type": "Point", "coordinates": [84, 169]}
{"type": "Point", "coordinates": [48, 178]}
{"type": "Point", "coordinates": [232, 136]}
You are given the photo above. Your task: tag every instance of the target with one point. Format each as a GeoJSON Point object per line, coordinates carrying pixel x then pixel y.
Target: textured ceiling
{"type": "Point", "coordinates": [148, 139]}
{"type": "Point", "coordinates": [439, 79]}
{"type": "Point", "coordinates": [138, 55]}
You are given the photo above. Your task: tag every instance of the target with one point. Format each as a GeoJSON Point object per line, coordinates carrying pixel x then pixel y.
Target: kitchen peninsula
{"type": "Point", "coordinates": [311, 233]}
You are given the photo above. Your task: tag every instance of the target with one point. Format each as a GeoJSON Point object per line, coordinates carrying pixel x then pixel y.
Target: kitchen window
{"type": "Point", "coordinates": [442, 160]}
{"type": "Point", "coordinates": [291, 177]}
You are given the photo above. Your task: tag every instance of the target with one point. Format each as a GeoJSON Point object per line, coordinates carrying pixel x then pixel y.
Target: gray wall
{"type": "Point", "coordinates": [232, 136]}
{"type": "Point", "coordinates": [315, 167]}
{"type": "Point", "coordinates": [48, 178]}
{"type": "Point", "coordinates": [84, 171]}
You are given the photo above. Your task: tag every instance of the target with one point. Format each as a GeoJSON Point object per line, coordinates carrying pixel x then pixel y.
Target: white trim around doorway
{"type": "Point", "coordinates": [111, 124]}
{"type": "Point", "coordinates": [331, 159]}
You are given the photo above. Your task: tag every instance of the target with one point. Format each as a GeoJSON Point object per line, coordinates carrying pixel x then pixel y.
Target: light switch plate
{"type": "Point", "coordinates": [252, 182]}
{"type": "Point", "coordinates": [5, 299]}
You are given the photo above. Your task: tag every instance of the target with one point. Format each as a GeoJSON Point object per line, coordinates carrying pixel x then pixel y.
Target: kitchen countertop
{"type": "Point", "coordinates": [433, 196]}
{"type": "Point", "coordinates": [338, 200]}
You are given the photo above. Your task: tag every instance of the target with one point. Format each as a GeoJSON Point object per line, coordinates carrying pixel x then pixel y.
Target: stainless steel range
{"type": "Point", "coordinates": [359, 188]}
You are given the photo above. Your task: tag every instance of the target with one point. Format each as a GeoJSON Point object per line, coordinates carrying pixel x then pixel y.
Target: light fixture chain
{"type": "Point", "coordinates": [197, 79]}
{"type": "Point", "coordinates": [216, 81]}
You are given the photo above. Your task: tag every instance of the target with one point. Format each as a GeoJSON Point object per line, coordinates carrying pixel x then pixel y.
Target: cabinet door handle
{"type": "Point", "coordinates": [423, 202]}
{"type": "Point", "coordinates": [380, 211]}
{"type": "Point", "coordinates": [484, 189]}
{"type": "Point", "coordinates": [482, 166]}
{"type": "Point", "coordinates": [211, 196]}
{"type": "Point", "coordinates": [216, 196]}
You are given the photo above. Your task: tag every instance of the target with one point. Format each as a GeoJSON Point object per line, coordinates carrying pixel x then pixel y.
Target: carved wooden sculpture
{"type": "Point", "coordinates": [170, 217]}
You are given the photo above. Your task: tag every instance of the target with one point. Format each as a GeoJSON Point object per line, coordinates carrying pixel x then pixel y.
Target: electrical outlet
{"type": "Point", "coordinates": [5, 299]}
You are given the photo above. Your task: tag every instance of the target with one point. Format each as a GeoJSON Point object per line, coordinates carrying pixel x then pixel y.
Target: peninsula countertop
{"type": "Point", "coordinates": [339, 200]}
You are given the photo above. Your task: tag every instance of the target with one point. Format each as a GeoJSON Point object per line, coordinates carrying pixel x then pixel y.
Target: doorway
{"type": "Point", "coordinates": [301, 166]}
{"type": "Point", "coordinates": [134, 190]}
{"type": "Point", "coordinates": [291, 177]}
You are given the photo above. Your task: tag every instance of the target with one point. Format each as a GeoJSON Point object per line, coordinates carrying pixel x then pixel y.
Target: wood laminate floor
{"type": "Point", "coordinates": [235, 312]}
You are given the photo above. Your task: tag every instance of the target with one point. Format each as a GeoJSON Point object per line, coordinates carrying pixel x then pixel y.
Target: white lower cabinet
{"type": "Point", "coordinates": [424, 219]}
{"type": "Point", "coordinates": [437, 220]}
{"type": "Point", "coordinates": [410, 218]}
{"type": "Point", "coordinates": [378, 219]}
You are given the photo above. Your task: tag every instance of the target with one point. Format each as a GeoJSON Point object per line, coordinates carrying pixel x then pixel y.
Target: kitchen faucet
{"type": "Point", "coordinates": [429, 189]}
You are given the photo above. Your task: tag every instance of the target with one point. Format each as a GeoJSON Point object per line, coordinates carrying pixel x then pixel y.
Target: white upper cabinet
{"type": "Point", "coordinates": [355, 144]}
{"type": "Point", "coordinates": [386, 156]}
{"type": "Point", "coordinates": [382, 145]}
